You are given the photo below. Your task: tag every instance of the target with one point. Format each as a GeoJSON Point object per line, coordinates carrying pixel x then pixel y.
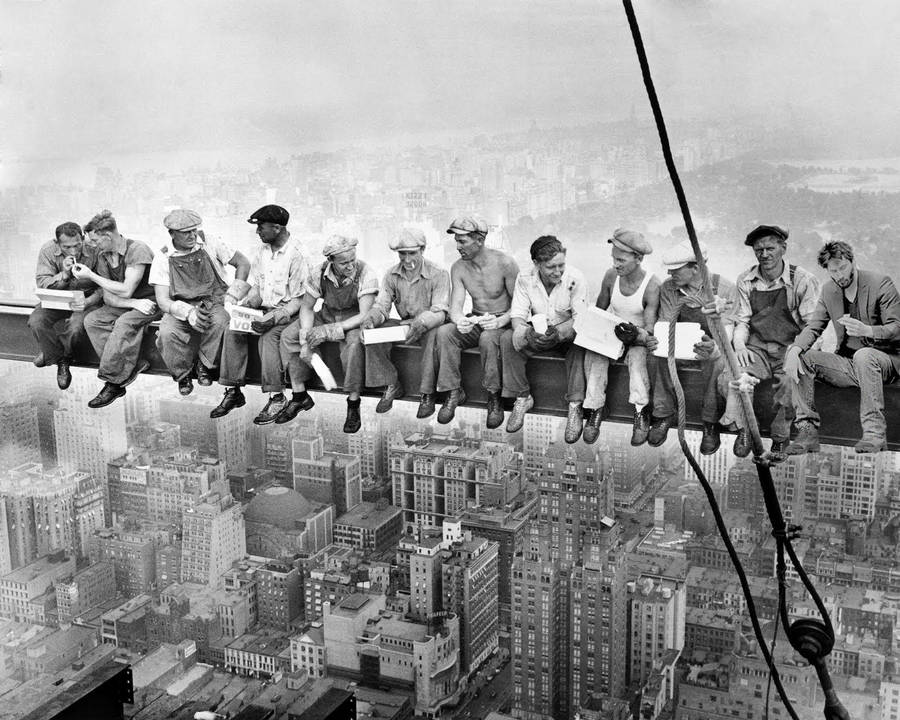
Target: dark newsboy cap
{"type": "Point", "coordinates": [270, 214]}
{"type": "Point", "coordinates": [766, 231]}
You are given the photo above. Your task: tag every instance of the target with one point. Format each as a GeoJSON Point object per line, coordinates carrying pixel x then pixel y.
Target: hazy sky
{"type": "Point", "coordinates": [83, 78]}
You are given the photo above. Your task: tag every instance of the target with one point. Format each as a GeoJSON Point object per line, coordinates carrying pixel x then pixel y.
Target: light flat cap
{"type": "Point", "coordinates": [762, 231]}
{"type": "Point", "coordinates": [465, 224]}
{"type": "Point", "coordinates": [630, 240]}
{"type": "Point", "coordinates": [408, 239]}
{"type": "Point", "coordinates": [274, 214]}
{"type": "Point", "coordinates": [182, 220]}
{"type": "Point", "coordinates": [338, 244]}
{"type": "Point", "coordinates": [682, 254]}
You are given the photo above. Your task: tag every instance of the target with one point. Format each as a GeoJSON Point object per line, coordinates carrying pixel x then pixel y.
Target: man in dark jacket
{"type": "Point", "coordinates": [864, 309]}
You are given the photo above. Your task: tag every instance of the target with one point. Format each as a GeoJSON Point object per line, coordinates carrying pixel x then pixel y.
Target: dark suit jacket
{"type": "Point", "coordinates": [879, 306]}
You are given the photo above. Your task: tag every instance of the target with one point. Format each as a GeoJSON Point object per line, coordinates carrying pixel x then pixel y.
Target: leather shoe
{"type": "Point", "coordinates": [39, 360]}
{"type": "Point", "coordinates": [870, 445]}
{"type": "Point", "coordinates": [454, 399]}
{"type": "Point", "coordinates": [268, 414]}
{"type": "Point", "coordinates": [592, 424]}
{"type": "Point", "coordinates": [778, 451]}
{"type": "Point", "coordinates": [641, 426]}
{"type": "Point", "coordinates": [711, 440]}
{"type": "Point", "coordinates": [742, 445]}
{"type": "Point", "coordinates": [574, 422]}
{"type": "Point", "coordinates": [294, 407]}
{"type": "Point", "coordinates": [391, 392]}
{"type": "Point", "coordinates": [108, 394]}
{"type": "Point", "coordinates": [63, 375]}
{"type": "Point", "coordinates": [659, 430]}
{"type": "Point", "coordinates": [204, 375]}
{"type": "Point", "coordinates": [353, 422]}
{"type": "Point", "coordinates": [233, 398]}
{"type": "Point", "coordinates": [426, 406]}
{"type": "Point", "coordinates": [142, 366]}
{"type": "Point", "coordinates": [494, 411]}
{"type": "Point", "coordinates": [185, 385]}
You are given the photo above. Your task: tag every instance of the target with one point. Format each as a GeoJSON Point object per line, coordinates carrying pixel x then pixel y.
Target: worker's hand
{"type": "Point", "coordinates": [706, 349]}
{"type": "Point", "coordinates": [793, 365]}
{"type": "Point", "coordinates": [856, 328]}
{"type": "Point", "coordinates": [80, 271]}
{"type": "Point", "coordinates": [417, 328]}
{"type": "Point", "coordinates": [264, 324]}
{"type": "Point", "coordinates": [465, 325]}
{"type": "Point", "coordinates": [145, 306]}
{"type": "Point", "coordinates": [744, 356]}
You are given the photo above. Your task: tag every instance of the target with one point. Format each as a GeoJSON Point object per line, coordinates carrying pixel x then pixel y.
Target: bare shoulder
{"type": "Point", "coordinates": [609, 277]}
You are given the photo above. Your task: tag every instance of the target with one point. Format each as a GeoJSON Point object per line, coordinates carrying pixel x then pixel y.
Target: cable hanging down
{"type": "Point", "coordinates": [812, 638]}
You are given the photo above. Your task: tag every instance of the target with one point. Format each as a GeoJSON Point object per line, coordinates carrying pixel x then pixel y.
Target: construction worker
{"type": "Point", "coordinates": [116, 329]}
{"type": "Point", "coordinates": [420, 291]}
{"type": "Point", "coordinates": [191, 288]}
{"type": "Point", "coordinates": [631, 293]}
{"type": "Point", "coordinates": [489, 277]}
{"type": "Point", "coordinates": [555, 291]}
{"type": "Point", "coordinates": [278, 271]}
{"type": "Point", "coordinates": [347, 287]}
{"type": "Point", "coordinates": [58, 332]}
{"type": "Point", "coordinates": [775, 300]}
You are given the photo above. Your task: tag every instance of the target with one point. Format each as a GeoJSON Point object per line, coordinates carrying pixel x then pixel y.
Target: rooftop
{"type": "Point", "coordinates": [367, 515]}
{"type": "Point", "coordinates": [41, 566]}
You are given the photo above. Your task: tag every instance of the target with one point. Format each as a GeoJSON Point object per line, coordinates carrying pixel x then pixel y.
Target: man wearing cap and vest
{"type": "Point", "coordinates": [191, 289]}
{"type": "Point", "coordinates": [116, 329]}
{"type": "Point", "coordinates": [631, 293]}
{"type": "Point", "coordinates": [420, 291]}
{"type": "Point", "coordinates": [681, 299]}
{"type": "Point", "coordinates": [863, 307]}
{"type": "Point", "coordinates": [57, 332]}
{"type": "Point", "coordinates": [489, 277]}
{"type": "Point", "coordinates": [556, 292]}
{"type": "Point", "coordinates": [278, 270]}
{"type": "Point", "coordinates": [775, 300]}
{"type": "Point", "coordinates": [347, 287]}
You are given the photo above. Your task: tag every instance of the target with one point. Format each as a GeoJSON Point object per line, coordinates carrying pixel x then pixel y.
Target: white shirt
{"type": "Point", "coordinates": [218, 251]}
{"type": "Point", "coordinates": [565, 300]}
{"type": "Point", "coordinates": [281, 275]}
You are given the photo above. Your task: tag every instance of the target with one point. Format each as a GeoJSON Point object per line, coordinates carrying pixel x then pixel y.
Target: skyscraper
{"type": "Point", "coordinates": [212, 539]}
{"type": "Point", "coordinates": [225, 438]}
{"type": "Point", "coordinates": [20, 441]}
{"type": "Point", "coordinates": [658, 608]}
{"type": "Point", "coordinates": [326, 477]}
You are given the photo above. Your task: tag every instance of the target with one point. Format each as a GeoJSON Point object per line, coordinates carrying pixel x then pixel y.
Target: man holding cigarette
{"type": "Point", "coordinates": [549, 296]}
{"type": "Point", "coordinates": [420, 291]}
{"type": "Point", "coordinates": [489, 277]}
{"type": "Point", "coordinates": [57, 332]}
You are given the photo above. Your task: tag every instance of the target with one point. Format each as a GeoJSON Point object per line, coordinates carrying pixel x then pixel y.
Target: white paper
{"type": "Point", "coordinates": [58, 299]}
{"type": "Point", "coordinates": [595, 330]}
{"type": "Point", "coordinates": [687, 334]}
{"type": "Point", "coordinates": [321, 369]}
{"type": "Point", "coordinates": [241, 317]}
{"type": "Point", "coordinates": [387, 334]}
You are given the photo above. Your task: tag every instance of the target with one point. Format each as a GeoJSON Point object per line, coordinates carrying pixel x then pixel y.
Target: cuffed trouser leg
{"type": "Point", "coordinates": [353, 358]}
{"type": "Point", "coordinates": [491, 370]}
{"type": "Point", "coordinates": [449, 345]}
{"type": "Point", "coordinates": [380, 370]}
{"type": "Point", "coordinates": [575, 385]}
{"type": "Point", "coordinates": [174, 344]}
{"type": "Point", "coordinates": [638, 378]}
{"type": "Point", "coordinates": [515, 380]}
{"type": "Point", "coordinates": [272, 370]}
{"type": "Point", "coordinates": [596, 372]}
{"type": "Point", "coordinates": [430, 361]}
{"type": "Point", "coordinates": [211, 340]}
{"type": "Point", "coordinates": [117, 334]}
{"type": "Point", "coordinates": [713, 402]}
{"type": "Point", "coordinates": [234, 359]}
{"type": "Point", "coordinates": [56, 332]}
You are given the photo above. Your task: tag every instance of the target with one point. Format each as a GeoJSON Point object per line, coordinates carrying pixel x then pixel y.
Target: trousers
{"type": "Point", "coordinates": [515, 380]}
{"type": "Point", "coordinates": [117, 334]}
{"type": "Point", "coordinates": [352, 352]}
{"type": "Point", "coordinates": [234, 359]}
{"type": "Point", "coordinates": [596, 370]}
{"type": "Point", "coordinates": [56, 332]}
{"type": "Point", "coordinates": [443, 373]}
{"type": "Point", "coordinates": [664, 392]}
{"type": "Point", "coordinates": [179, 343]}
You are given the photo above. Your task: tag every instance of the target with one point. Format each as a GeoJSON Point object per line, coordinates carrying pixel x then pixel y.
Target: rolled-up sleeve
{"type": "Point", "coordinates": [440, 292]}
{"type": "Point", "coordinates": [298, 276]}
{"type": "Point", "coordinates": [807, 288]}
{"type": "Point", "coordinates": [520, 307]}
{"type": "Point", "coordinates": [386, 295]}
{"type": "Point", "coordinates": [368, 282]}
{"type": "Point", "coordinates": [47, 274]}
{"type": "Point", "coordinates": [742, 310]}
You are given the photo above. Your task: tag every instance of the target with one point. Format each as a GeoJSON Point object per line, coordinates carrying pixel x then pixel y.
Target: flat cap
{"type": "Point", "coordinates": [630, 240]}
{"type": "Point", "coordinates": [183, 220]}
{"type": "Point", "coordinates": [682, 254]}
{"type": "Point", "coordinates": [766, 231]}
{"type": "Point", "coordinates": [270, 214]}
{"type": "Point", "coordinates": [408, 239]}
{"type": "Point", "coordinates": [465, 224]}
{"type": "Point", "coordinates": [338, 244]}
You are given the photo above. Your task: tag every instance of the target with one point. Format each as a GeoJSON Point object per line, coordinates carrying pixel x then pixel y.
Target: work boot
{"type": "Point", "coordinates": [870, 444]}
{"type": "Point", "coordinates": [711, 440]}
{"type": "Point", "coordinates": [353, 422]}
{"type": "Point", "coordinates": [426, 406]}
{"type": "Point", "coordinates": [494, 411]}
{"type": "Point", "coordinates": [63, 374]}
{"type": "Point", "coordinates": [574, 422]}
{"type": "Point", "coordinates": [641, 426]}
{"type": "Point", "coordinates": [592, 425]}
{"type": "Point", "coordinates": [185, 385]}
{"type": "Point", "coordinates": [659, 430]}
{"type": "Point", "coordinates": [233, 398]}
{"type": "Point", "coordinates": [807, 440]}
{"type": "Point", "coordinates": [205, 376]}
{"type": "Point", "coordinates": [108, 394]}
{"type": "Point", "coordinates": [299, 401]}
{"type": "Point", "coordinates": [391, 393]}
{"type": "Point", "coordinates": [742, 445]}
{"type": "Point", "coordinates": [778, 451]}
{"type": "Point", "coordinates": [141, 366]}
{"type": "Point", "coordinates": [517, 416]}
{"type": "Point", "coordinates": [268, 414]}
{"type": "Point", "coordinates": [454, 399]}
